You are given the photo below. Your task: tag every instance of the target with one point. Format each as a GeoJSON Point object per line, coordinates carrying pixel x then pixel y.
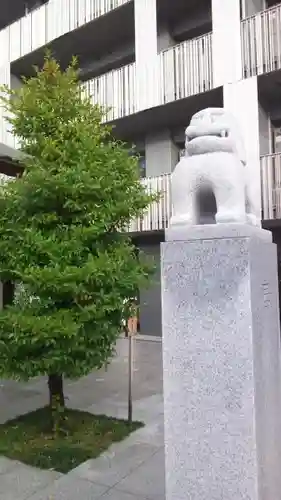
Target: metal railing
{"type": "Point", "coordinates": [158, 215]}
{"type": "Point", "coordinates": [115, 92]}
{"type": "Point", "coordinates": [261, 42]}
{"type": "Point", "coordinates": [186, 69]}
{"type": "Point", "coordinates": [52, 20]}
{"type": "Point", "coordinates": [271, 186]}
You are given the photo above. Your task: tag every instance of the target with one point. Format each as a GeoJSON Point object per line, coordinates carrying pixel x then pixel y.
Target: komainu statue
{"type": "Point", "coordinates": [209, 184]}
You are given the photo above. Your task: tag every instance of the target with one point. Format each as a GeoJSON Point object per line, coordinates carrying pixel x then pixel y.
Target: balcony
{"type": "Point", "coordinates": [186, 69]}
{"type": "Point", "coordinates": [158, 215]}
{"type": "Point", "coordinates": [261, 42]}
{"type": "Point", "coordinates": [114, 91]}
{"type": "Point", "coordinates": [52, 20]}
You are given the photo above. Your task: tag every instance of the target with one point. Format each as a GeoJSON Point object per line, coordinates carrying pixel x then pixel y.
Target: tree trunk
{"type": "Point", "coordinates": [8, 293]}
{"type": "Point", "coordinates": [55, 384]}
{"type": "Point", "coordinates": [56, 402]}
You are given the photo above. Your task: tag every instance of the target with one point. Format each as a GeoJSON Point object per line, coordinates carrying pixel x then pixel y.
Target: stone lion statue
{"type": "Point", "coordinates": [209, 183]}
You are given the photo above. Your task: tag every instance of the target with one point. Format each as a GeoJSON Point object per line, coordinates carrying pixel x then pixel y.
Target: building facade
{"type": "Point", "coordinates": [154, 63]}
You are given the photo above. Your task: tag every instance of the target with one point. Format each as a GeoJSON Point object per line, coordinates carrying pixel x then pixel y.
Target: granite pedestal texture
{"type": "Point", "coordinates": [221, 359]}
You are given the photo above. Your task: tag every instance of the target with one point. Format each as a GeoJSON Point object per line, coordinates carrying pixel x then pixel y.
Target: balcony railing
{"type": "Point", "coordinates": [159, 213]}
{"type": "Point", "coordinates": [115, 91]}
{"type": "Point", "coordinates": [52, 20]}
{"type": "Point", "coordinates": [271, 186]}
{"type": "Point", "coordinates": [261, 42]}
{"type": "Point", "coordinates": [186, 69]}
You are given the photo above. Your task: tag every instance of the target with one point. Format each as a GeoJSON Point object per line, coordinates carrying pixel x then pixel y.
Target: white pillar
{"type": "Point", "coordinates": [5, 79]}
{"type": "Point", "coordinates": [241, 99]}
{"type": "Point", "coordinates": [147, 73]}
{"type": "Point", "coordinates": [227, 60]}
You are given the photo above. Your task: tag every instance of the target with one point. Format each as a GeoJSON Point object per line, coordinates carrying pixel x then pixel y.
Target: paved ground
{"type": "Point", "coordinates": [131, 470]}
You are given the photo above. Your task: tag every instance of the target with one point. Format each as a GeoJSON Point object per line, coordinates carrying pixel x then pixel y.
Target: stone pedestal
{"type": "Point", "coordinates": [221, 358]}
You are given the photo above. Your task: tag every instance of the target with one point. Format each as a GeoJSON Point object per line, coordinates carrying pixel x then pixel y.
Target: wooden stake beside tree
{"type": "Point", "coordinates": [62, 235]}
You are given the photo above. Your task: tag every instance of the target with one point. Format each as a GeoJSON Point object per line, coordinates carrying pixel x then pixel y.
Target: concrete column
{"type": "Point", "coordinates": [15, 82]}
{"type": "Point", "coordinates": [146, 54]}
{"type": "Point", "coordinates": [251, 7]}
{"type": "Point", "coordinates": [161, 154]}
{"type": "Point", "coordinates": [5, 79]}
{"type": "Point", "coordinates": [150, 297]}
{"type": "Point", "coordinates": [241, 99]}
{"type": "Point", "coordinates": [265, 132]}
{"type": "Point", "coordinates": [165, 39]}
{"type": "Point", "coordinates": [227, 60]}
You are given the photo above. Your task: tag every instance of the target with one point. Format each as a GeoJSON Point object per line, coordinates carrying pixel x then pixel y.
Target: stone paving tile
{"type": "Point", "coordinates": [148, 479]}
{"type": "Point", "coordinates": [70, 488]}
{"type": "Point", "coordinates": [19, 405]}
{"type": "Point", "coordinates": [114, 494]}
{"type": "Point", "coordinates": [21, 481]}
{"type": "Point", "coordinates": [144, 409]}
{"type": "Point", "coordinates": [119, 461]}
{"type": "Point", "coordinates": [7, 464]}
{"type": "Point", "coordinates": [136, 471]}
{"type": "Point", "coordinates": [153, 432]}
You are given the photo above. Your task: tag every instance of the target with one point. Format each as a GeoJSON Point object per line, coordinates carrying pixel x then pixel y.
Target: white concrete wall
{"type": "Point", "coordinates": [15, 82]}
{"type": "Point", "coordinates": [5, 79]}
{"type": "Point", "coordinates": [161, 154]}
{"type": "Point", "coordinates": [227, 60]}
{"type": "Point", "coordinates": [241, 99]}
{"type": "Point", "coordinates": [146, 53]}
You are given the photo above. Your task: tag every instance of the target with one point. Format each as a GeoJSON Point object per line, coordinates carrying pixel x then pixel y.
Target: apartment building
{"type": "Point", "coordinates": [155, 63]}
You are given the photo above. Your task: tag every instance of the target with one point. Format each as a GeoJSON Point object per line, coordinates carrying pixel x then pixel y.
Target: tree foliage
{"type": "Point", "coordinates": [62, 226]}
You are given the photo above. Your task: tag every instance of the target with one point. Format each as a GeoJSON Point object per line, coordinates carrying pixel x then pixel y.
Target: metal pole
{"type": "Point", "coordinates": [132, 326]}
{"type": "Point", "coordinates": [130, 361]}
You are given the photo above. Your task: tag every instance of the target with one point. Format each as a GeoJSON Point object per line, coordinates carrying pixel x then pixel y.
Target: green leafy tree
{"type": "Point", "coordinates": [62, 234]}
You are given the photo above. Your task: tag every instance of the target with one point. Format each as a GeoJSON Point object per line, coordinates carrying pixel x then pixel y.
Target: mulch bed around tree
{"type": "Point", "coordinates": [28, 439]}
